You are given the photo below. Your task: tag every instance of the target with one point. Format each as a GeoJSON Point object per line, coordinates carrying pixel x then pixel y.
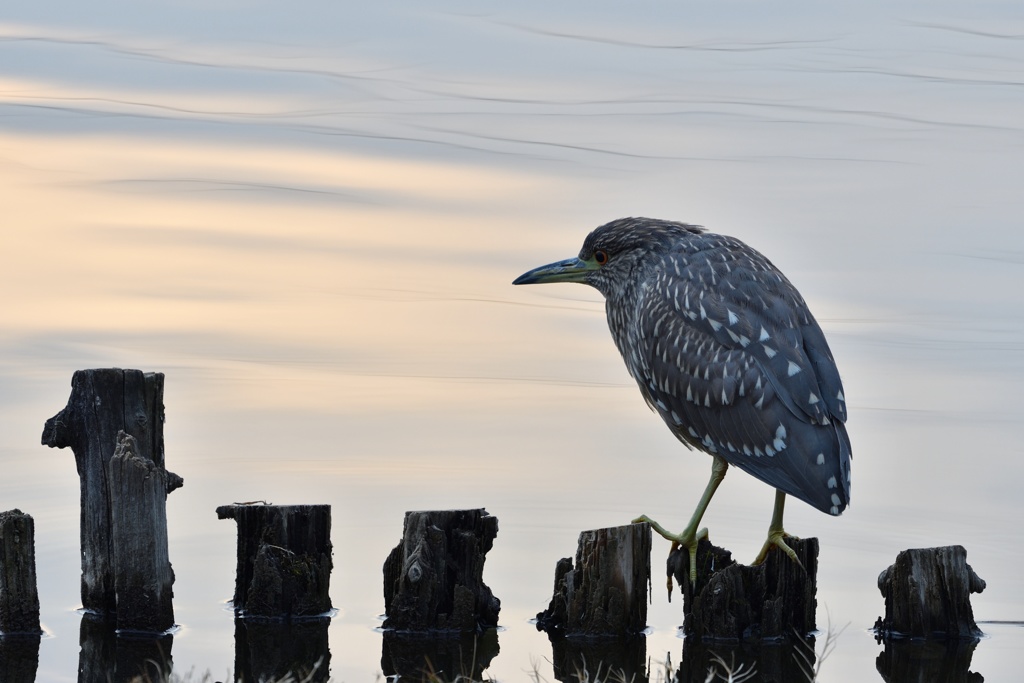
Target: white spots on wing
{"type": "Point", "coordinates": [760, 403]}
{"type": "Point", "coordinates": [840, 395]}
{"type": "Point", "coordinates": [835, 499]}
{"type": "Point", "coordinates": [661, 404]}
{"type": "Point", "coordinates": [675, 418]}
{"type": "Point", "coordinates": [709, 444]}
{"type": "Point", "coordinates": [780, 438]}
{"type": "Point", "coordinates": [732, 335]}
{"type": "Point", "coordinates": [732, 317]}
{"type": "Point", "coordinates": [764, 335]}
{"type": "Point", "coordinates": [835, 510]}
{"type": "Point", "coordinates": [746, 450]}
{"type": "Point", "coordinates": [707, 399]}
{"type": "Point", "coordinates": [744, 341]}
{"type": "Point", "coordinates": [813, 398]}
{"type": "Point", "coordinates": [689, 393]}
{"type": "Point", "coordinates": [703, 313]}
{"type": "Point", "coordinates": [821, 458]}
{"type": "Point", "coordinates": [693, 432]}
{"type": "Point", "coordinates": [725, 399]}
{"type": "Point", "coordinates": [793, 369]}
{"type": "Point", "coordinates": [715, 325]}
{"type": "Point", "coordinates": [832, 482]}
{"type": "Point", "coordinates": [769, 351]}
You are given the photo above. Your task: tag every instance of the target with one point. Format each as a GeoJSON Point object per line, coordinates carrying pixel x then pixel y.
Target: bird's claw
{"type": "Point", "coordinates": [778, 540]}
{"type": "Point", "coordinates": [688, 539]}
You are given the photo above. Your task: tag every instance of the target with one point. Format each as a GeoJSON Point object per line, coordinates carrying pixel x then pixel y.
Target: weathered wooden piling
{"type": "Point", "coordinates": [19, 595]}
{"type": "Point", "coordinates": [605, 592]}
{"type": "Point", "coordinates": [284, 560]}
{"type": "Point", "coordinates": [142, 566]}
{"type": "Point", "coordinates": [19, 658]}
{"type": "Point", "coordinates": [731, 602]}
{"type": "Point", "coordinates": [103, 404]}
{"type": "Point", "coordinates": [927, 594]}
{"type": "Point", "coordinates": [433, 579]}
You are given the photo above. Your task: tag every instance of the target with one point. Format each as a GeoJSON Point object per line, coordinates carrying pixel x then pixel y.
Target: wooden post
{"type": "Point", "coordinates": [283, 560]}
{"type": "Point", "coordinates": [928, 595]}
{"type": "Point", "coordinates": [142, 567]}
{"type": "Point", "coordinates": [730, 602]}
{"type": "Point", "coordinates": [19, 595]}
{"type": "Point", "coordinates": [102, 404]}
{"type": "Point", "coordinates": [605, 592]}
{"type": "Point", "coordinates": [433, 579]}
{"type": "Point", "coordinates": [20, 632]}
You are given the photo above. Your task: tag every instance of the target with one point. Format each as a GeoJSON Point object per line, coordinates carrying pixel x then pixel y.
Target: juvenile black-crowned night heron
{"type": "Point", "coordinates": [728, 354]}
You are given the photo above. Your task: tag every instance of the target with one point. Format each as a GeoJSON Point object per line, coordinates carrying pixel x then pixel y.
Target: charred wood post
{"type": "Point", "coordinates": [730, 602]}
{"type": "Point", "coordinates": [433, 579]}
{"type": "Point", "coordinates": [283, 560]}
{"type": "Point", "coordinates": [142, 567]}
{"type": "Point", "coordinates": [19, 595]}
{"type": "Point", "coordinates": [105, 403]}
{"type": "Point", "coordinates": [605, 592]}
{"type": "Point", "coordinates": [19, 599]}
{"type": "Point", "coordinates": [928, 595]}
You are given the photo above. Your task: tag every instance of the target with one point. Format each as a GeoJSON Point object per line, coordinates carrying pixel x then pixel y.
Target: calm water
{"type": "Point", "coordinates": [308, 216]}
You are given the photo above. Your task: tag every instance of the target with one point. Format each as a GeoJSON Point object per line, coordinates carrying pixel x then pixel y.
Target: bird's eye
{"type": "Point", "coordinates": [601, 256]}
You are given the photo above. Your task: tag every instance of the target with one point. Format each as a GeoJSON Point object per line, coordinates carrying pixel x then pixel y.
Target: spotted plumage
{"type": "Point", "coordinates": [724, 349]}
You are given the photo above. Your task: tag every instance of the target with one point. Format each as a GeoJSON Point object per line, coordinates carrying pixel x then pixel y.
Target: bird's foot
{"type": "Point", "coordinates": [777, 538]}
{"type": "Point", "coordinates": [687, 539]}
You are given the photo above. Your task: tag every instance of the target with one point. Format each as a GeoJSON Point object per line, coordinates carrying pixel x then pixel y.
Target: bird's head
{"type": "Point", "coordinates": [611, 253]}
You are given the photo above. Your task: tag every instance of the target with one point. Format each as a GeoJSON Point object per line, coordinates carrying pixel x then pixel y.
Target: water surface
{"type": "Point", "coordinates": [309, 218]}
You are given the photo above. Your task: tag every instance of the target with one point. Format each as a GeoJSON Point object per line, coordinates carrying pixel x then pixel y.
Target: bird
{"type": "Point", "coordinates": [726, 351]}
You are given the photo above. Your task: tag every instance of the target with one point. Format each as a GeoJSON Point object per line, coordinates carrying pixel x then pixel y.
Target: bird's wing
{"type": "Point", "coordinates": [739, 299]}
{"type": "Point", "coordinates": [727, 361]}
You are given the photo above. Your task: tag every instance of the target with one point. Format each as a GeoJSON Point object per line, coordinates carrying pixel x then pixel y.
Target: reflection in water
{"type": "Point", "coordinates": [118, 658]}
{"type": "Point", "coordinates": [927, 661]}
{"type": "Point", "coordinates": [771, 662]}
{"type": "Point", "coordinates": [270, 650]}
{"type": "Point", "coordinates": [19, 658]}
{"type": "Point", "coordinates": [586, 659]}
{"type": "Point", "coordinates": [417, 656]}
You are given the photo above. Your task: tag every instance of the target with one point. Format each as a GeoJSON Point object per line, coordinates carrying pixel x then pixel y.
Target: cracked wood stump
{"type": "Point", "coordinates": [605, 592]}
{"type": "Point", "coordinates": [19, 593]}
{"type": "Point", "coordinates": [927, 594]}
{"type": "Point", "coordinates": [433, 579]}
{"type": "Point", "coordinates": [284, 560]}
{"type": "Point", "coordinates": [126, 573]}
{"type": "Point", "coordinates": [730, 602]}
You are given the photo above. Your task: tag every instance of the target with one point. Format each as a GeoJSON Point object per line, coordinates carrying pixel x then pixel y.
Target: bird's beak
{"type": "Point", "coordinates": [569, 270]}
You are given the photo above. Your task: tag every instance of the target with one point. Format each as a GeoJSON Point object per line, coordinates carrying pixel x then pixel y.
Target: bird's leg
{"type": "Point", "coordinates": [690, 536]}
{"type": "Point", "coordinates": [776, 534]}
